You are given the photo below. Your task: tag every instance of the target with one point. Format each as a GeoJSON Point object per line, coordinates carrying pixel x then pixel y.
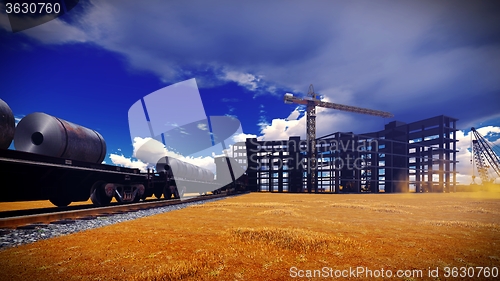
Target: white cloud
{"type": "Point", "coordinates": [294, 115]}
{"type": "Point", "coordinates": [57, 32]}
{"type": "Point", "coordinates": [206, 162]}
{"type": "Point", "coordinates": [464, 167]}
{"type": "Point", "coordinates": [123, 161]}
{"type": "Point", "coordinates": [148, 151]}
{"type": "Point", "coordinates": [484, 131]}
{"type": "Point", "coordinates": [246, 80]}
{"type": "Point", "coordinates": [202, 126]}
{"type": "Point", "coordinates": [242, 137]}
{"type": "Point", "coordinates": [281, 129]}
{"type": "Point", "coordinates": [327, 122]}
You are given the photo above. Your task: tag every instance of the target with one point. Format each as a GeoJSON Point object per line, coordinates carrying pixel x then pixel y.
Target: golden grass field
{"type": "Point", "coordinates": [261, 236]}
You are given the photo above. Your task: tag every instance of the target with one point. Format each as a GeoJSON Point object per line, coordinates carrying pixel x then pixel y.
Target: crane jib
{"type": "Point", "coordinates": [311, 103]}
{"type": "Point", "coordinates": [484, 156]}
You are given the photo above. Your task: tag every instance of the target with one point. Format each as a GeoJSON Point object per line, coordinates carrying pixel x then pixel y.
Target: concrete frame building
{"type": "Point", "coordinates": [413, 157]}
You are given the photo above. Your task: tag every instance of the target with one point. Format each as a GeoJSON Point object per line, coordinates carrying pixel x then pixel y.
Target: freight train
{"type": "Point", "coordinates": [60, 161]}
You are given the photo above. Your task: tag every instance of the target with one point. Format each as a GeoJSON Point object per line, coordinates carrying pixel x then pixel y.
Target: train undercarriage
{"type": "Point", "coordinates": [29, 177]}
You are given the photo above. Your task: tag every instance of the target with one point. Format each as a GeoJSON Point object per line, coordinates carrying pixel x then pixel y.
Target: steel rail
{"type": "Point", "coordinates": [46, 218]}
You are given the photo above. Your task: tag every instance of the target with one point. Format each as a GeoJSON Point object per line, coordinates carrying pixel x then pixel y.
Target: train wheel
{"type": "Point", "coordinates": [98, 194]}
{"type": "Point", "coordinates": [139, 193]}
{"type": "Point", "coordinates": [60, 202]}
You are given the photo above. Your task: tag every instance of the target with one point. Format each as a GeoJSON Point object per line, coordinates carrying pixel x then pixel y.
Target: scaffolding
{"type": "Point", "coordinates": [414, 157]}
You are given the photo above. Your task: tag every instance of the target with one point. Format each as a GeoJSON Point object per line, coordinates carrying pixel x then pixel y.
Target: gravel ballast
{"type": "Point", "coordinates": [17, 237]}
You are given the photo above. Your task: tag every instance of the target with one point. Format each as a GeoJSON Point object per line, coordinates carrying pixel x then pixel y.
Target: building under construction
{"type": "Point", "coordinates": [414, 157]}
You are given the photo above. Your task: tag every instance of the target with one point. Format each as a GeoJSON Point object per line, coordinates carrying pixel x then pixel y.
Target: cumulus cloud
{"type": "Point", "coordinates": [206, 162]}
{"type": "Point", "coordinates": [327, 122]}
{"type": "Point", "coordinates": [489, 131]}
{"type": "Point", "coordinates": [294, 115]}
{"type": "Point", "coordinates": [57, 32]}
{"type": "Point", "coordinates": [147, 152]}
{"type": "Point", "coordinates": [128, 162]}
{"type": "Point", "coordinates": [464, 166]}
{"type": "Point", "coordinates": [246, 80]}
{"type": "Point", "coordinates": [242, 137]}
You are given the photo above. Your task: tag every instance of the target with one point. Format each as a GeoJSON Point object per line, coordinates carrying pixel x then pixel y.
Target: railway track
{"type": "Point", "coordinates": [36, 217]}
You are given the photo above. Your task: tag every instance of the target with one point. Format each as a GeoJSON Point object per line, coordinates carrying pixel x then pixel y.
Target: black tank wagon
{"type": "Point", "coordinates": [60, 161]}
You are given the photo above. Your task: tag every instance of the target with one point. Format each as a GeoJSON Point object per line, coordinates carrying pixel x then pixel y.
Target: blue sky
{"type": "Point", "coordinates": [414, 59]}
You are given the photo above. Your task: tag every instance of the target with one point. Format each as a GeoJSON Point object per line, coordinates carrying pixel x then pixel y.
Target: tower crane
{"type": "Point", "coordinates": [311, 101]}
{"type": "Point", "coordinates": [484, 157]}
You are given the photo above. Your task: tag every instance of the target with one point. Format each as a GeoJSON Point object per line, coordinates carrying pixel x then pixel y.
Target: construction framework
{"type": "Point", "coordinates": [414, 157]}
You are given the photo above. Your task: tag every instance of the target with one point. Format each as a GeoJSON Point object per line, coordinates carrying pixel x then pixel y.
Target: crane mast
{"type": "Point", "coordinates": [484, 157]}
{"type": "Point", "coordinates": [311, 102]}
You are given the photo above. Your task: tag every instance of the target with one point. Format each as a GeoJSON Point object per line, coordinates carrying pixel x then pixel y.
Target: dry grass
{"type": "Point", "coordinates": [298, 240]}
{"type": "Point", "coordinates": [246, 205]}
{"type": "Point", "coordinates": [390, 209]}
{"type": "Point", "coordinates": [467, 224]}
{"type": "Point", "coordinates": [280, 212]}
{"type": "Point", "coordinates": [260, 236]}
